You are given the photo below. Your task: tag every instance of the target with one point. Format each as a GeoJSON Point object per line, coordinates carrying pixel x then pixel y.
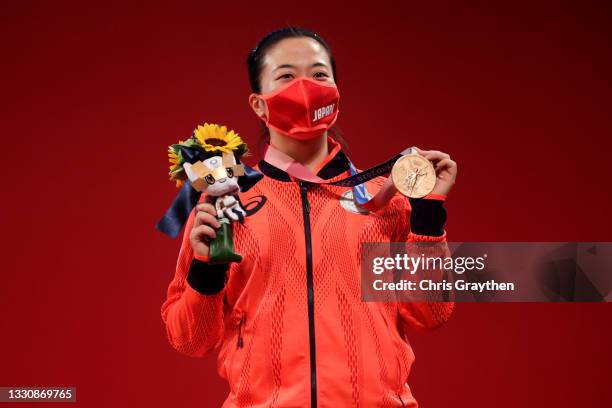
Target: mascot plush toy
{"type": "Point", "coordinates": [209, 163]}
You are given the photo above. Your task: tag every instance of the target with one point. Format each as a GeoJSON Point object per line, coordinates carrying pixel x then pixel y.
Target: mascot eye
{"type": "Point", "coordinates": [230, 172]}
{"type": "Point", "coordinates": [209, 179]}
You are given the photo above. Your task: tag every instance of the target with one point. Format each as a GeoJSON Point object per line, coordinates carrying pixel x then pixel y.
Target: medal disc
{"type": "Point", "coordinates": [413, 175]}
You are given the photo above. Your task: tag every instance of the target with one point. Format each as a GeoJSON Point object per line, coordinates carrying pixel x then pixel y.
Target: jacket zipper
{"type": "Point", "coordinates": [310, 294]}
{"type": "Point", "coordinates": [240, 340]}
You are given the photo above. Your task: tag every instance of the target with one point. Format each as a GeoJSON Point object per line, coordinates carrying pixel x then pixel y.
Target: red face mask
{"type": "Point", "coordinates": [302, 109]}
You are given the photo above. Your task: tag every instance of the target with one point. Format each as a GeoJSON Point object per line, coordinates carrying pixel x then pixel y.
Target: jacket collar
{"type": "Point", "coordinates": [334, 164]}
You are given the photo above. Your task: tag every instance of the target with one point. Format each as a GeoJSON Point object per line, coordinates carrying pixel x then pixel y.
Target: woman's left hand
{"type": "Point", "coordinates": [446, 170]}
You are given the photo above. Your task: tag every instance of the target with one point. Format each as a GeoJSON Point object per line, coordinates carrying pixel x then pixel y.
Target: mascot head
{"type": "Point", "coordinates": [210, 160]}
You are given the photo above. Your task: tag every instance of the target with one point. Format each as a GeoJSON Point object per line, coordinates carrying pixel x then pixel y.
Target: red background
{"type": "Point", "coordinates": [519, 95]}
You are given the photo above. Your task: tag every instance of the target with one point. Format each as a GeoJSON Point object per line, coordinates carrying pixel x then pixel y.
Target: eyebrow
{"type": "Point", "coordinates": [316, 64]}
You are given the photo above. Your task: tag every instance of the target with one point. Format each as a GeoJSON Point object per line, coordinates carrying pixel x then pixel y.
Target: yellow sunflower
{"type": "Point", "coordinates": [176, 166]}
{"type": "Point", "coordinates": [215, 138]}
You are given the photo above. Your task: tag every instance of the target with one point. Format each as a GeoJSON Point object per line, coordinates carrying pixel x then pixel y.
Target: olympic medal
{"type": "Point", "coordinates": [413, 175]}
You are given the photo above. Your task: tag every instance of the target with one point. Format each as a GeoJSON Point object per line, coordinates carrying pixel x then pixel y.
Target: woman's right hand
{"type": "Point", "coordinates": [204, 226]}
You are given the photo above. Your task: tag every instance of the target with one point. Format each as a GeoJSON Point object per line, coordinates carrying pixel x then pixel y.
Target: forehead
{"type": "Point", "coordinates": [295, 51]}
{"type": "Point", "coordinates": [214, 162]}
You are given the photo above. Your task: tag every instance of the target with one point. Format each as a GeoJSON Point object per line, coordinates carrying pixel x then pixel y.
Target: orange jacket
{"type": "Point", "coordinates": [288, 321]}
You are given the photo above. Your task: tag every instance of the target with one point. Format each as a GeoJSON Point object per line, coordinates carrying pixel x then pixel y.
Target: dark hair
{"type": "Point", "coordinates": [255, 66]}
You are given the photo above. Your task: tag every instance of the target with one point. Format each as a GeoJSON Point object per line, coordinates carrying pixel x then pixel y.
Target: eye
{"type": "Point", "coordinates": [209, 179]}
{"type": "Point", "coordinates": [230, 172]}
{"type": "Point", "coordinates": [285, 77]}
{"type": "Point", "coordinates": [321, 75]}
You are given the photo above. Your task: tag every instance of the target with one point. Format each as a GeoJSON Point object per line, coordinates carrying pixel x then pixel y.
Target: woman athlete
{"type": "Point", "coordinates": [288, 321]}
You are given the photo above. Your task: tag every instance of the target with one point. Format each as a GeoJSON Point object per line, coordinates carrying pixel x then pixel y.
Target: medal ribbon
{"type": "Point", "coordinates": [356, 180]}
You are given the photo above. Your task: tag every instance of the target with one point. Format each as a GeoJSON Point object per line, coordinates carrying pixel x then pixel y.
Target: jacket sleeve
{"type": "Point", "coordinates": [423, 222]}
{"type": "Point", "coordinates": [193, 309]}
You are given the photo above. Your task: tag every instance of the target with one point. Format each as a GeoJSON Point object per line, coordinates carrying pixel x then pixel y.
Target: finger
{"type": "Point", "coordinates": [420, 151]}
{"type": "Point", "coordinates": [435, 155]}
{"type": "Point", "coordinates": [207, 198]}
{"type": "Point", "coordinates": [205, 218]}
{"type": "Point", "coordinates": [202, 232]}
{"type": "Point", "coordinates": [201, 248]}
{"type": "Point", "coordinates": [206, 207]}
{"type": "Point", "coordinates": [446, 164]}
